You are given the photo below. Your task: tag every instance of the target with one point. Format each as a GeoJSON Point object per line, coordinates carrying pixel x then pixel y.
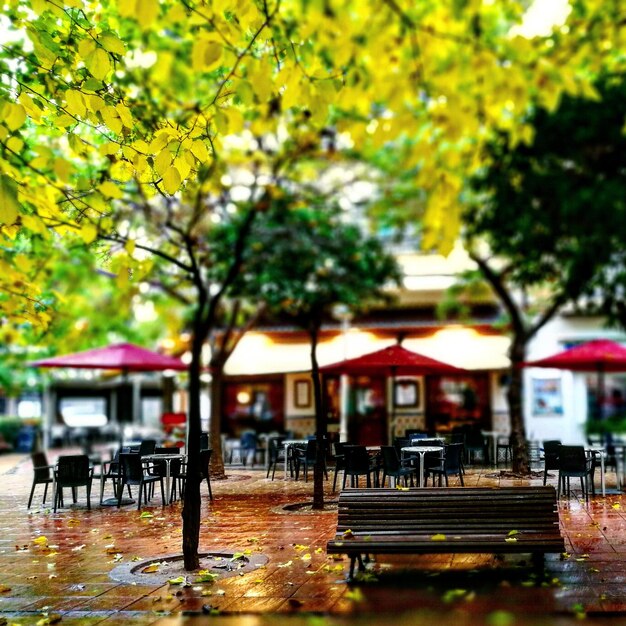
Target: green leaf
{"type": "Point", "coordinates": [9, 206]}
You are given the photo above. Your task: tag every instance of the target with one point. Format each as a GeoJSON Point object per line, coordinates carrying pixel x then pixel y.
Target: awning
{"type": "Point", "coordinates": [259, 353]}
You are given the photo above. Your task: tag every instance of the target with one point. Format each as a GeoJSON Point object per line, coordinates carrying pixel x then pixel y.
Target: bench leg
{"type": "Point", "coordinates": [539, 563]}
{"type": "Point", "coordinates": [352, 562]}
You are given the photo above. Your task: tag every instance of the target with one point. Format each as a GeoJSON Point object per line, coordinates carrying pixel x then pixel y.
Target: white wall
{"type": "Point", "coordinates": [569, 426]}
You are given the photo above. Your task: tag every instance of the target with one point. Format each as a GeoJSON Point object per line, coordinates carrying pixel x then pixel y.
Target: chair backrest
{"type": "Point", "coordinates": [204, 441]}
{"type": "Point", "coordinates": [572, 459]}
{"type": "Point", "coordinates": [357, 459]}
{"type": "Point", "coordinates": [474, 438]}
{"type": "Point", "coordinates": [147, 446]}
{"type": "Point", "coordinates": [452, 457]}
{"type": "Point", "coordinates": [415, 433]}
{"type": "Point", "coordinates": [339, 448]}
{"type": "Point", "coordinates": [274, 447]}
{"type": "Point", "coordinates": [72, 468]}
{"type": "Point", "coordinates": [131, 466]}
{"type": "Point", "coordinates": [166, 450]}
{"type": "Point", "coordinates": [40, 466]}
{"type": "Point", "coordinates": [391, 460]}
{"type": "Point", "coordinates": [401, 442]}
{"type": "Point", "coordinates": [249, 440]}
{"type": "Point", "coordinates": [551, 453]}
{"type": "Point", "coordinates": [205, 462]}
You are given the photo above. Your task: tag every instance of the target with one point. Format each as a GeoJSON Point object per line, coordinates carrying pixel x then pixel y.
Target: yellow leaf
{"type": "Point", "coordinates": [14, 115]}
{"type": "Point", "coordinates": [150, 569]}
{"type": "Point", "coordinates": [112, 43]}
{"type": "Point", "coordinates": [75, 103]}
{"type": "Point", "coordinates": [512, 533]}
{"type": "Point", "coordinates": [163, 161]}
{"type": "Point", "coordinates": [108, 148]}
{"type": "Point", "coordinates": [110, 189]}
{"type": "Point", "coordinates": [438, 537]}
{"type": "Point", "coordinates": [180, 580]}
{"type": "Point", "coordinates": [111, 118]}
{"type": "Point", "coordinates": [199, 150]}
{"type": "Point", "coordinates": [146, 11]}
{"type": "Point", "coordinates": [617, 505]}
{"type": "Point", "coordinates": [98, 63]}
{"type": "Point", "coordinates": [15, 144]}
{"type": "Point", "coordinates": [41, 541]}
{"type": "Point", "coordinates": [9, 206]}
{"type": "Point", "coordinates": [88, 233]}
{"type": "Point", "coordinates": [171, 180]}
{"type": "Point", "coordinates": [125, 115]}
{"type": "Point", "coordinates": [510, 539]}
{"type": "Point", "coordinates": [127, 8]}
{"type": "Point", "coordinates": [129, 246]}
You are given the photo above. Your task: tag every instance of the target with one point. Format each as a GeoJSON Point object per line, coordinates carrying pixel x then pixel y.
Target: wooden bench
{"type": "Point", "coordinates": [449, 520]}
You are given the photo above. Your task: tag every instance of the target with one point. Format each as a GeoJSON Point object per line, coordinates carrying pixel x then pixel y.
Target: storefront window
{"type": "Point", "coordinates": [457, 401]}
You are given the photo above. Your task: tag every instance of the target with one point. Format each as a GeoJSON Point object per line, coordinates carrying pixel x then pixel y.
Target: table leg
{"type": "Point", "coordinates": [602, 481]}
{"type": "Point", "coordinates": [421, 464]}
{"type": "Point", "coordinates": [286, 457]}
{"type": "Point", "coordinates": [167, 481]}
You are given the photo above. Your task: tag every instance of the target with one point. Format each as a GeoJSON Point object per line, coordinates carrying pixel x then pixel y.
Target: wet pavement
{"type": "Point", "coordinates": [65, 567]}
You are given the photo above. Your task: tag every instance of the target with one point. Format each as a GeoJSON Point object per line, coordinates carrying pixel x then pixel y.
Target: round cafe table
{"type": "Point", "coordinates": [421, 451]}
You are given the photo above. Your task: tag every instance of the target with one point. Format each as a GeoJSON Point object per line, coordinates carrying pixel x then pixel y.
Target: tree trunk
{"type": "Point", "coordinates": [517, 353]}
{"type": "Point", "coordinates": [320, 423]}
{"type": "Point", "coordinates": [191, 504]}
{"type": "Point", "coordinates": [215, 432]}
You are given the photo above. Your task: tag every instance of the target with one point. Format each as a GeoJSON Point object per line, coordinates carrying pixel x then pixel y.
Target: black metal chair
{"type": "Point", "coordinates": [205, 469]}
{"type": "Point", "coordinates": [449, 465]}
{"type": "Point", "coordinates": [475, 443]}
{"type": "Point", "coordinates": [397, 468]}
{"type": "Point", "coordinates": [72, 471]}
{"type": "Point", "coordinates": [359, 463]}
{"type": "Point", "coordinates": [111, 471]}
{"type": "Point", "coordinates": [503, 445]}
{"type": "Point", "coordinates": [276, 452]}
{"type": "Point", "coordinates": [307, 458]}
{"type": "Point", "coordinates": [134, 472]}
{"type": "Point", "coordinates": [42, 475]}
{"type": "Point", "coordinates": [574, 463]}
{"type": "Point", "coordinates": [339, 457]}
{"type": "Point", "coordinates": [550, 457]}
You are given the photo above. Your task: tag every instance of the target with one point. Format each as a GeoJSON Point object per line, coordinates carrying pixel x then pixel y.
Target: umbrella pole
{"type": "Point", "coordinates": [601, 393]}
{"type": "Point", "coordinates": [393, 404]}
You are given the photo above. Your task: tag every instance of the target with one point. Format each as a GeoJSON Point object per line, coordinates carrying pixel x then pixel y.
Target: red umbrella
{"type": "Point", "coordinates": [391, 361]}
{"type": "Point", "coordinates": [600, 355]}
{"type": "Point", "coordinates": [122, 356]}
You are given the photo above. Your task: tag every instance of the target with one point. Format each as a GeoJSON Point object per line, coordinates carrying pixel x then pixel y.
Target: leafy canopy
{"type": "Point", "coordinates": [106, 103]}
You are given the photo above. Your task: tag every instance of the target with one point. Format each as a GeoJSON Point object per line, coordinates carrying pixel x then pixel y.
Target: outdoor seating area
{"type": "Point", "coordinates": [250, 495]}
{"type": "Point", "coordinates": [134, 468]}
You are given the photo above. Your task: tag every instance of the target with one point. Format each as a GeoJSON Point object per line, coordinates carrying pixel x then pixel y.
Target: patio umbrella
{"type": "Point", "coordinates": [121, 356]}
{"type": "Point", "coordinates": [600, 356]}
{"type": "Point", "coordinates": [126, 357]}
{"type": "Point", "coordinates": [392, 361]}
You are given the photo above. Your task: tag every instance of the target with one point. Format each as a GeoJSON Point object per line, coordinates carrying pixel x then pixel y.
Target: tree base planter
{"type": "Point", "coordinates": [170, 569]}
{"type": "Point", "coordinates": [306, 508]}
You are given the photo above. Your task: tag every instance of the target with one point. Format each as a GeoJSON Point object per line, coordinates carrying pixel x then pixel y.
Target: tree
{"type": "Point", "coordinates": [121, 122]}
{"type": "Point", "coordinates": [554, 218]}
{"type": "Point", "coordinates": [304, 259]}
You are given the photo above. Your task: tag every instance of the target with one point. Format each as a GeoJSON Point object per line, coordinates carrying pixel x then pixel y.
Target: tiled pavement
{"type": "Point", "coordinates": [66, 576]}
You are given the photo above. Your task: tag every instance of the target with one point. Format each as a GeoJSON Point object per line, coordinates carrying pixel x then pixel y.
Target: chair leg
{"type": "Point", "coordinates": [163, 492]}
{"type": "Point", "coordinates": [208, 482]}
{"type": "Point", "coordinates": [32, 491]}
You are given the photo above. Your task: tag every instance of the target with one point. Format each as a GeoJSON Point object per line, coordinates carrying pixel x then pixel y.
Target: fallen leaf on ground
{"type": "Point", "coordinates": [438, 537]}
